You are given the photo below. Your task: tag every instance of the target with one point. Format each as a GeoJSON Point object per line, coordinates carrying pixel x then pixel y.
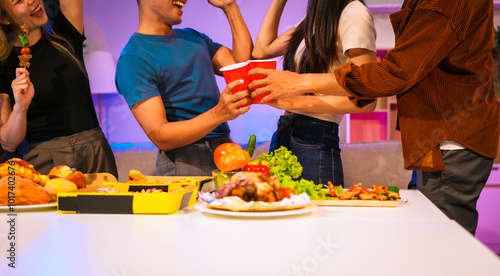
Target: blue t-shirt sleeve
{"type": "Point", "coordinates": [135, 79]}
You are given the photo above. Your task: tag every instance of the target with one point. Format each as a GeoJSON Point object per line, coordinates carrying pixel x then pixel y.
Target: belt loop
{"type": "Point", "coordinates": [207, 146]}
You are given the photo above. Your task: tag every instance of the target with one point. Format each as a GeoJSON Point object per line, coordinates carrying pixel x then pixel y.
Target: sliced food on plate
{"type": "Point", "coordinates": [253, 192]}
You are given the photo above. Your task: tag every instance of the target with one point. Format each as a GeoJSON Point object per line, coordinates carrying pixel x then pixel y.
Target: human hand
{"type": "Point", "coordinates": [22, 88]}
{"type": "Point", "coordinates": [222, 3]}
{"type": "Point", "coordinates": [283, 104]}
{"type": "Point", "coordinates": [230, 105]}
{"type": "Point", "coordinates": [280, 84]}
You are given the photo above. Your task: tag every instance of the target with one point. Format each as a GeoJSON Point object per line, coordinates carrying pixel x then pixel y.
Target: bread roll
{"type": "Point", "coordinates": [57, 185]}
{"type": "Point", "coordinates": [67, 173]}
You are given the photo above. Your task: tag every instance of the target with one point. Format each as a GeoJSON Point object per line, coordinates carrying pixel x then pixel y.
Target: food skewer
{"type": "Point", "coordinates": [24, 58]}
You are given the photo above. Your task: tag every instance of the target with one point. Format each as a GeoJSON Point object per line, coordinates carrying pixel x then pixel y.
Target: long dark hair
{"type": "Point", "coordinates": [319, 30]}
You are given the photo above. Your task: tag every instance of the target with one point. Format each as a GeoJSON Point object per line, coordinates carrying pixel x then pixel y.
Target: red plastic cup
{"type": "Point", "coordinates": [266, 64]}
{"type": "Point", "coordinates": [238, 71]}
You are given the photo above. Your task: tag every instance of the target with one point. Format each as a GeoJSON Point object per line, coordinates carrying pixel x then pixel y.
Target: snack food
{"type": "Point", "coordinates": [110, 189]}
{"type": "Point", "coordinates": [26, 192]}
{"type": "Point", "coordinates": [57, 185]}
{"type": "Point", "coordinates": [22, 169]}
{"type": "Point", "coordinates": [67, 173]}
{"type": "Point", "coordinates": [25, 57]}
{"type": "Point", "coordinates": [138, 178]}
{"type": "Point", "coordinates": [377, 192]}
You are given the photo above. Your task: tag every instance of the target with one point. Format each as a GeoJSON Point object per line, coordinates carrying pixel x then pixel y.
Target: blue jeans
{"type": "Point", "coordinates": [315, 143]}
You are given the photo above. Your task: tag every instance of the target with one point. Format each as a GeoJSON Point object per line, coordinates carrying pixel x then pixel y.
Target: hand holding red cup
{"type": "Point", "coordinates": [237, 71]}
{"type": "Point", "coordinates": [266, 64]}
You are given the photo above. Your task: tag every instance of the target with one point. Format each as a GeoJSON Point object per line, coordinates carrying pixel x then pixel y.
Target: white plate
{"type": "Point", "coordinates": [203, 208]}
{"type": "Point", "coordinates": [23, 208]}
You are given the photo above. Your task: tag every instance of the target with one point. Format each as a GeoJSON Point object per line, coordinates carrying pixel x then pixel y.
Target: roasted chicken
{"type": "Point", "coordinates": [251, 186]}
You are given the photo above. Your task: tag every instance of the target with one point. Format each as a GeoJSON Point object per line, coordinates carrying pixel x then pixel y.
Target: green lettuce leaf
{"type": "Point", "coordinates": [282, 162]}
{"type": "Point", "coordinates": [286, 167]}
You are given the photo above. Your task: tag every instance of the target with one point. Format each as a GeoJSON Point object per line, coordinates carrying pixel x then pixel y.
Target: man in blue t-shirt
{"type": "Point", "coordinates": [167, 77]}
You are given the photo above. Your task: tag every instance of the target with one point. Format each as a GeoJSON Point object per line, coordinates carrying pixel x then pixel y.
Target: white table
{"type": "Point", "coordinates": [412, 239]}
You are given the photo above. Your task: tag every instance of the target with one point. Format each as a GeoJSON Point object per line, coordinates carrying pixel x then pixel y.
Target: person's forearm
{"type": "Point", "coordinates": [172, 135]}
{"type": "Point", "coordinates": [269, 30]}
{"type": "Point", "coordinates": [324, 104]}
{"type": "Point", "coordinates": [325, 83]}
{"type": "Point", "coordinates": [13, 132]}
{"type": "Point", "coordinates": [242, 41]}
{"type": "Point", "coordinates": [73, 11]}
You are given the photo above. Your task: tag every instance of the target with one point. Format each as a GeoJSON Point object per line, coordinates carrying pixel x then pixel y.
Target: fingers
{"type": "Point", "coordinates": [262, 81]}
{"type": "Point", "coordinates": [22, 81]}
{"type": "Point", "coordinates": [240, 99]}
{"type": "Point", "coordinates": [21, 71]}
{"type": "Point", "coordinates": [262, 95]}
{"type": "Point", "coordinates": [236, 95]}
{"type": "Point", "coordinates": [257, 83]}
{"type": "Point", "coordinates": [260, 71]}
{"type": "Point", "coordinates": [244, 109]}
{"type": "Point", "coordinates": [229, 88]}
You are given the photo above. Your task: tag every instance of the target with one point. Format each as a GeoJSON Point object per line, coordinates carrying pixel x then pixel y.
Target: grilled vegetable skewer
{"type": "Point", "coordinates": [25, 57]}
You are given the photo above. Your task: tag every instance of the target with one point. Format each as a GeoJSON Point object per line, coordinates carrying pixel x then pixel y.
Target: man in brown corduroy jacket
{"type": "Point", "coordinates": [441, 70]}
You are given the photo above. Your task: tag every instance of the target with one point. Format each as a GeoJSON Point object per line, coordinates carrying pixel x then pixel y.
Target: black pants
{"type": "Point", "coordinates": [456, 190]}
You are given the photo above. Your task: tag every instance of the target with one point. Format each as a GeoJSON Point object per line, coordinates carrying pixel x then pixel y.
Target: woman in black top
{"type": "Point", "coordinates": [49, 103]}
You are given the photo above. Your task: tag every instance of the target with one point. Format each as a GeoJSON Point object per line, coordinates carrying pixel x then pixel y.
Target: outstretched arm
{"type": "Point", "coordinates": [268, 44]}
{"type": "Point", "coordinates": [242, 41]}
{"type": "Point", "coordinates": [73, 10]}
{"type": "Point", "coordinates": [328, 103]}
{"type": "Point", "coordinates": [321, 104]}
{"type": "Point", "coordinates": [285, 84]}
{"type": "Point", "coordinates": [418, 52]}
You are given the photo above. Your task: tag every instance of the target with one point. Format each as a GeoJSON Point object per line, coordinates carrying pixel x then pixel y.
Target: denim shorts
{"type": "Point", "coordinates": [315, 143]}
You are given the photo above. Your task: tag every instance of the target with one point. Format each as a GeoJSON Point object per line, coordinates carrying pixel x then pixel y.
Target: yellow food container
{"type": "Point", "coordinates": [128, 198]}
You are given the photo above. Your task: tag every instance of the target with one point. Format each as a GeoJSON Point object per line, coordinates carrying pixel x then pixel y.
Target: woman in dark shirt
{"type": "Point", "coordinates": [49, 103]}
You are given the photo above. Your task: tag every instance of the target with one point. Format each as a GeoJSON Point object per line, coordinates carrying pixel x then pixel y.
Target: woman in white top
{"type": "Point", "coordinates": [331, 34]}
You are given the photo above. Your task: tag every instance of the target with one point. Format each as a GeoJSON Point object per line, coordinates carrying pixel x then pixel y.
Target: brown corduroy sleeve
{"type": "Point", "coordinates": [427, 39]}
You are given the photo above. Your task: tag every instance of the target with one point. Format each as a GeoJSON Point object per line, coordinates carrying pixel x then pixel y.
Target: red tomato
{"type": "Point", "coordinates": [331, 190]}
{"type": "Point", "coordinates": [287, 192]}
{"type": "Point", "coordinates": [25, 51]}
{"type": "Point", "coordinates": [230, 157]}
{"type": "Point", "coordinates": [262, 169]}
